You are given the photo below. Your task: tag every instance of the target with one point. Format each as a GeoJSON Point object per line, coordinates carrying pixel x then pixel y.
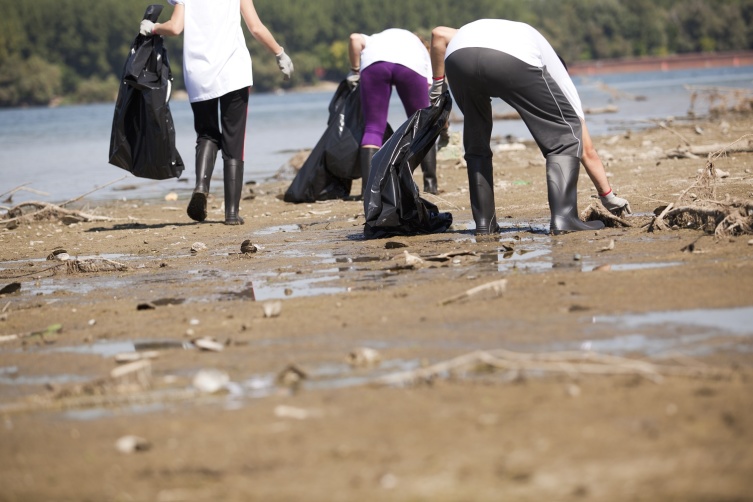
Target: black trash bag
{"type": "Point", "coordinates": [332, 164]}
{"type": "Point", "coordinates": [392, 203]}
{"type": "Point", "coordinates": [143, 134]}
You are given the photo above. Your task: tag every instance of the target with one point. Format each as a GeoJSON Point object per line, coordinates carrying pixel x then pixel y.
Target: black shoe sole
{"type": "Point", "coordinates": [197, 208]}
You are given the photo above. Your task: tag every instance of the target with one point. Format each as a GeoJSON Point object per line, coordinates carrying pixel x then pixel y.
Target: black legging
{"type": "Point", "coordinates": [476, 75]}
{"type": "Point", "coordinates": [233, 110]}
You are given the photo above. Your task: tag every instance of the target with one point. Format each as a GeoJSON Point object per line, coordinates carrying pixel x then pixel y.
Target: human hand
{"type": "Point", "coordinates": [437, 87]}
{"type": "Point", "coordinates": [285, 64]}
{"type": "Point", "coordinates": [146, 28]}
{"type": "Point", "coordinates": [353, 78]}
{"type": "Point", "coordinates": [616, 205]}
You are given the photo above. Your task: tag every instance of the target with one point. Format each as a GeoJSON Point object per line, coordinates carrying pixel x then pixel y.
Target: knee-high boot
{"type": "Point", "coordinates": [233, 171]}
{"type": "Point", "coordinates": [562, 187]}
{"type": "Point", "coordinates": [364, 159]}
{"type": "Point", "coordinates": [429, 169]}
{"type": "Point", "coordinates": [206, 155]}
{"type": "Point", "coordinates": [482, 195]}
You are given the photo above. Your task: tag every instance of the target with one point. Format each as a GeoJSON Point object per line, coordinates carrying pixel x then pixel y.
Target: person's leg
{"type": "Point", "coordinates": [413, 90]}
{"type": "Point", "coordinates": [233, 113]}
{"type": "Point", "coordinates": [462, 70]}
{"type": "Point", "coordinates": [376, 89]}
{"type": "Point", "coordinates": [208, 138]}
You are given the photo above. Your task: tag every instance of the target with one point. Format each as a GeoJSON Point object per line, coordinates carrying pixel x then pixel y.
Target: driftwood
{"type": "Point", "coordinates": [722, 218]}
{"type": "Point", "coordinates": [698, 151]}
{"type": "Point", "coordinates": [569, 363]}
{"type": "Point", "coordinates": [37, 211]}
{"type": "Point", "coordinates": [597, 212]}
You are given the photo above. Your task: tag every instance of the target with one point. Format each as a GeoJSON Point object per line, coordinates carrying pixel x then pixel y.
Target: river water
{"type": "Point", "coordinates": [63, 151]}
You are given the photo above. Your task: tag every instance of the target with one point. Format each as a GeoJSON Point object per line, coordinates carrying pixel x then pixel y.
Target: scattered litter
{"type": "Point", "coordinates": [291, 376]}
{"type": "Point", "coordinates": [284, 411]}
{"type": "Point", "coordinates": [210, 381]}
{"type": "Point", "coordinates": [412, 260]}
{"type": "Point", "coordinates": [172, 196]}
{"type": "Point", "coordinates": [146, 306]}
{"type": "Point", "coordinates": [247, 247]}
{"type": "Point", "coordinates": [10, 288]}
{"type": "Point", "coordinates": [364, 356]}
{"type": "Point", "coordinates": [272, 308]}
{"type": "Point", "coordinates": [197, 247]}
{"type": "Point", "coordinates": [94, 265]}
{"type": "Point", "coordinates": [131, 444]}
{"type": "Point", "coordinates": [59, 255]}
{"type": "Point", "coordinates": [608, 247]}
{"type": "Point", "coordinates": [208, 344]}
{"type": "Point", "coordinates": [129, 357]}
{"type": "Point", "coordinates": [496, 288]}
{"type": "Point", "coordinates": [394, 245]}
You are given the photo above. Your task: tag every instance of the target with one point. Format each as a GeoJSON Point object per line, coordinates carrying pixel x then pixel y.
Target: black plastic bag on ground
{"type": "Point", "coordinates": [331, 166]}
{"type": "Point", "coordinates": [142, 140]}
{"type": "Point", "coordinates": [392, 203]}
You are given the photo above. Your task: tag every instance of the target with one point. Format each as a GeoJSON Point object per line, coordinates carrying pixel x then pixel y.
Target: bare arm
{"type": "Point", "coordinates": [592, 162]}
{"type": "Point", "coordinates": [257, 28]}
{"type": "Point", "coordinates": [356, 44]}
{"type": "Point", "coordinates": [440, 38]}
{"type": "Point", "coordinates": [174, 26]}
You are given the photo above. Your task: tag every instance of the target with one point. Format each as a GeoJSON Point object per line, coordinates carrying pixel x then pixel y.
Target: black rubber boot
{"type": "Point", "coordinates": [364, 159]}
{"type": "Point", "coordinates": [233, 171]}
{"type": "Point", "coordinates": [206, 155]}
{"type": "Point", "coordinates": [482, 195]}
{"type": "Point", "coordinates": [562, 187]}
{"type": "Point", "coordinates": [429, 168]}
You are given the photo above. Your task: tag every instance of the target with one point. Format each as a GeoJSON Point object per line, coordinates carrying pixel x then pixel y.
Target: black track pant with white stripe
{"type": "Point", "coordinates": [476, 75]}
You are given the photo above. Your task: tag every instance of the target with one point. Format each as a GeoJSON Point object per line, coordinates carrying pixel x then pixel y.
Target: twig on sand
{"type": "Point", "coordinates": [92, 191]}
{"type": "Point", "coordinates": [596, 211]}
{"type": "Point", "coordinates": [20, 188]}
{"type": "Point", "coordinates": [495, 287]}
{"type": "Point", "coordinates": [570, 363]}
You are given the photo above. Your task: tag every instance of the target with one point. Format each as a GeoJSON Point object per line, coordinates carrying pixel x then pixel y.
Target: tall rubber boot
{"type": "Point", "coordinates": [482, 195]}
{"type": "Point", "coordinates": [364, 159]}
{"type": "Point", "coordinates": [233, 171]}
{"type": "Point", "coordinates": [206, 155]}
{"type": "Point", "coordinates": [429, 168]}
{"type": "Point", "coordinates": [562, 187]}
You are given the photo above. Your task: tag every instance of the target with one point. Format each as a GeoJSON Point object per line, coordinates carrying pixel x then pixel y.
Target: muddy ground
{"type": "Point", "coordinates": [299, 415]}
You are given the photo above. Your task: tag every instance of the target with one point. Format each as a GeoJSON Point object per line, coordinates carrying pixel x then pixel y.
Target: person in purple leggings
{"type": "Point", "coordinates": [394, 57]}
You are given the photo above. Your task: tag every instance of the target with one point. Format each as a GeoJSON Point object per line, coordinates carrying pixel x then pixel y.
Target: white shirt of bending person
{"type": "Point", "coordinates": [520, 41]}
{"type": "Point", "coordinates": [397, 46]}
{"type": "Point", "coordinates": [216, 59]}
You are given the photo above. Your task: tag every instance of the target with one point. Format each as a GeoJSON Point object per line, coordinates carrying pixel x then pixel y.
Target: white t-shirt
{"type": "Point", "coordinates": [215, 57]}
{"type": "Point", "coordinates": [520, 41]}
{"type": "Point", "coordinates": [397, 46]}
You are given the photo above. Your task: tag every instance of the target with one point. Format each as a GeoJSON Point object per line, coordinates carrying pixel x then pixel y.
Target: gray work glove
{"type": "Point", "coordinates": [285, 64]}
{"type": "Point", "coordinates": [146, 28]}
{"type": "Point", "coordinates": [353, 79]}
{"type": "Point", "coordinates": [616, 205]}
{"type": "Point", "coordinates": [437, 88]}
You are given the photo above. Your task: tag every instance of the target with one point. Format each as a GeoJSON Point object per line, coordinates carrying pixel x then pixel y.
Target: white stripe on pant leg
{"type": "Point", "coordinates": [543, 69]}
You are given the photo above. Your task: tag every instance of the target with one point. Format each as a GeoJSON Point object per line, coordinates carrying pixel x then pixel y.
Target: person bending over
{"type": "Point", "coordinates": [394, 57]}
{"type": "Point", "coordinates": [497, 58]}
{"type": "Point", "coordinates": [217, 73]}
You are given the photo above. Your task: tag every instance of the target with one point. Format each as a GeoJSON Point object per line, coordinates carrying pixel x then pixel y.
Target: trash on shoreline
{"type": "Point", "coordinates": [272, 308]}
{"type": "Point", "coordinates": [495, 288]}
{"type": "Point", "coordinates": [131, 444]}
{"type": "Point", "coordinates": [364, 356]}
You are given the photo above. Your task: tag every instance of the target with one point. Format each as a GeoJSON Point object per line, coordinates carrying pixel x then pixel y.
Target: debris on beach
{"type": "Point", "coordinates": [291, 377]}
{"type": "Point", "coordinates": [272, 308]}
{"type": "Point", "coordinates": [92, 265]}
{"type": "Point", "coordinates": [208, 344]}
{"type": "Point", "coordinates": [11, 288]}
{"type": "Point", "coordinates": [197, 247]}
{"type": "Point", "coordinates": [247, 247]}
{"type": "Point", "coordinates": [494, 289]}
{"type": "Point", "coordinates": [131, 444]}
{"type": "Point", "coordinates": [364, 356]}
{"type": "Point", "coordinates": [210, 381]}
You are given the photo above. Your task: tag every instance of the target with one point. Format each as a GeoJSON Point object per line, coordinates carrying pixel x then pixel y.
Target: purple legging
{"type": "Point", "coordinates": [376, 88]}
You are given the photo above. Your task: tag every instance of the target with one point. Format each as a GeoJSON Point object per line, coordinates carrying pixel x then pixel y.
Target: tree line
{"type": "Point", "coordinates": [73, 51]}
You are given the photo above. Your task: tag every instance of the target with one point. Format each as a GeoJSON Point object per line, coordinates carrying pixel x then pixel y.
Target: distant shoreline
{"type": "Point", "coordinates": [662, 63]}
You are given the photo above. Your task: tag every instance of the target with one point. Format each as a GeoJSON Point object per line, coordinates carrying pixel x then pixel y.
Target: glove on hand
{"type": "Point", "coordinates": [437, 88]}
{"type": "Point", "coordinates": [146, 28]}
{"type": "Point", "coordinates": [353, 79]}
{"type": "Point", "coordinates": [615, 205]}
{"type": "Point", "coordinates": [285, 64]}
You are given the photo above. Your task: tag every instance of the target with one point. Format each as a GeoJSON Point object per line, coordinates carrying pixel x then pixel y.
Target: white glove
{"type": "Point", "coordinates": [146, 28]}
{"type": "Point", "coordinates": [285, 64]}
{"type": "Point", "coordinates": [353, 79]}
{"type": "Point", "coordinates": [437, 87]}
{"type": "Point", "coordinates": [614, 204]}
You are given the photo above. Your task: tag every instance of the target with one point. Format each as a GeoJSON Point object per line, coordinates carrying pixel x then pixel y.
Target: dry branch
{"type": "Point", "coordinates": [596, 211]}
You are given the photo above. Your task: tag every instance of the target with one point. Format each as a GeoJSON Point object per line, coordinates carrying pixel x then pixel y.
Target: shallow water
{"type": "Point", "coordinates": [64, 151]}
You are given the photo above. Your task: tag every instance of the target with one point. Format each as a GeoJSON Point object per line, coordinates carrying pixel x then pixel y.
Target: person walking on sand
{"type": "Point", "coordinates": [496, 58]}
{"type": "Point", "coordinates": [394, 57]}
{"type": "Point", "coordinates": [218, 76]}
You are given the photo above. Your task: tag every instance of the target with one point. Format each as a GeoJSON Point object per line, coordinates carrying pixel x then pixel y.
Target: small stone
{"type": "Point", "coordinates": [247, 247]}
{"type": "Point", "coordinates": [131, 444]}
{"type": "Point", "coordinates": [272, 308]}
{"type": "Point", "coordinates": [210, 381]}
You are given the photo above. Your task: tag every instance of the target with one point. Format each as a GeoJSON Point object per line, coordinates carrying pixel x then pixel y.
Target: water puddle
{"type": "Point", "coordinates": [278, 229]}
{"type": "Point", "coordinates": [664, 333]}
{"type": "Point", "coordinates": [110, 348]}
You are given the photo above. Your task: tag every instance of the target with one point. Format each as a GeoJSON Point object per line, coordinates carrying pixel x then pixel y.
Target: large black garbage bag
{"type": "Point", "coordinates": [333, 163]}
{"type": "Point", "coordinates": [392, 203]}
{"type": "Point", "coordinates": [143, 134]}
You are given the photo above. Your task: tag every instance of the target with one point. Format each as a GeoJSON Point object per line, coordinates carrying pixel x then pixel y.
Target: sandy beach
{"type": "Point", "coordinates": [291, 359]}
